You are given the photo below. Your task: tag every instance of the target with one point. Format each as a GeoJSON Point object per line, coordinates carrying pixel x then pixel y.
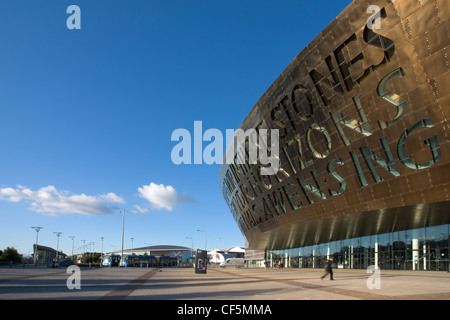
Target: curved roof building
{"type": "Point", "coordinates": [362, 139]}
{"type": "Point", "coordinates": [158, 250]}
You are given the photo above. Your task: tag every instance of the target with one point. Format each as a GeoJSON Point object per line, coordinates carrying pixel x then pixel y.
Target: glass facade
{"type": "Point", "coordinates": [416, 249]}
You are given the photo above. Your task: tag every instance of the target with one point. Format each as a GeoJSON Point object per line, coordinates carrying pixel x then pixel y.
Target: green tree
{"type": "Point", "coordinates": [11, 254]}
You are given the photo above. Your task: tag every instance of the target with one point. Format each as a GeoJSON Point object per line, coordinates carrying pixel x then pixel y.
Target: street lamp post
{"type": "Point", "coordinates": [93, 252]}
{"type": "Point", "coordinates": [216, 242]}
{"type": "Point", "coordinates": [84, 251]}
{"type": "Point", "coordinates": [101, 261]}
{"type": "Point", "coordinates": [192, 247]}
{"type": "Point", "coordinates": [72, 237]}
{"type": "Point", "coordinates": [149, 249]}
{"type": "Point", "coordinates": [205, 236]}
{"type": "Point", "coordinates": [37, 229]}
{"type": "Point", "coordinates": [89, 252]}
{"type": "Point", "coordinates": [57, 245]}
{"type": "Point", "coordinates": [123, 231]}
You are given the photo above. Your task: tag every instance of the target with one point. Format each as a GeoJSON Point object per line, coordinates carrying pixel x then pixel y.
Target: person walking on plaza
{"type": "Point", "coordinates": [328, 269]}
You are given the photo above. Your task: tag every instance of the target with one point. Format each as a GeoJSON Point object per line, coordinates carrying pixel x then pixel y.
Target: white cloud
{"type": "Point", "coordinates": [139, 209]}
{"type": "Point", "coordinates": [163, 197]}
{"type": "Point", "coordinates": [51, 201]}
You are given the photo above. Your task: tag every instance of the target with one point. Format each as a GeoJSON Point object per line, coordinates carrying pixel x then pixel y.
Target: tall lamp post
{"type": "Point", "coordinates": [83, 259]}
{"type": "Point", "coordinates": [37, 229]}
{"type": "Point", "coordinates": [72, 237]}
{"type": "Point", "coordinates": [123, 229]}
{"type": "Point", "coordinates": [93, 252]}
{"type": "Point", "coordinates": [101, 262]}
{"type": "Point", "coordinates": [216, 242]}
{"type": "Point", "coordinates": [57, 244]}
{"type": "Point", "coordinates": [205, 236]}
{"type": "Point", "coordinates": [149, 249]}
{"type": "Point", "coordinates": [192, 246]}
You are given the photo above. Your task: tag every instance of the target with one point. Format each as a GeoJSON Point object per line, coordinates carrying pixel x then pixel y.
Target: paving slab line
{"type": "Point", "coordinates": [124, 291]}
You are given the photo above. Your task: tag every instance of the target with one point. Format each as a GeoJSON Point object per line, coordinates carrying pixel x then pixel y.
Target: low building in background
{"type": "Point", "coordinates": [45, 254]}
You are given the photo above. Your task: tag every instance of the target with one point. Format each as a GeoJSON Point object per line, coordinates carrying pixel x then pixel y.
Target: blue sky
{"type": "Point", "coordinates": [87, 115]}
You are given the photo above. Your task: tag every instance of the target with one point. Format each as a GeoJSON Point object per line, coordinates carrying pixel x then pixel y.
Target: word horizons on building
{"type": "Point", "coordinates": [356, 109]}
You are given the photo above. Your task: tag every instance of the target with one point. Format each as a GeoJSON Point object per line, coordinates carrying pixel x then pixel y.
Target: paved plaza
{"type": "Point", "coordinates": [221, 284]}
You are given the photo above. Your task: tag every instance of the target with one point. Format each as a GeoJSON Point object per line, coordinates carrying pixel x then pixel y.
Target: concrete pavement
{"type": "Point", "coordinates": [221, 284]}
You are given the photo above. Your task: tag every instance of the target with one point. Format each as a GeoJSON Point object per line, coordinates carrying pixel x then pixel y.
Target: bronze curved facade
{"type": "Point", "coordinates": [364, 132]}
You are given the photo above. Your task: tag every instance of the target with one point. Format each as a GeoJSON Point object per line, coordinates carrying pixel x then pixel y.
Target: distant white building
{"type": "Point", "coordinates": [237, 252]}
{"type": "Point", "coordinates": [219, 257]}
{"type": "Point", "coordinates": [182, 253]}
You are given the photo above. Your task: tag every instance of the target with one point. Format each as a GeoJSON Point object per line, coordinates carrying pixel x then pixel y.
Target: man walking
{"type": "Point", "coordinates": [328, 269]}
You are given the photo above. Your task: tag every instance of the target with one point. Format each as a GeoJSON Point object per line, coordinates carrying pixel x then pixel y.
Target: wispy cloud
{"type": "Point", "coordinates": [139, 209]}
{"type": "Point", "coordinates": [49, 200]}
{"type": "Point", "coordinates": [163, 197]}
